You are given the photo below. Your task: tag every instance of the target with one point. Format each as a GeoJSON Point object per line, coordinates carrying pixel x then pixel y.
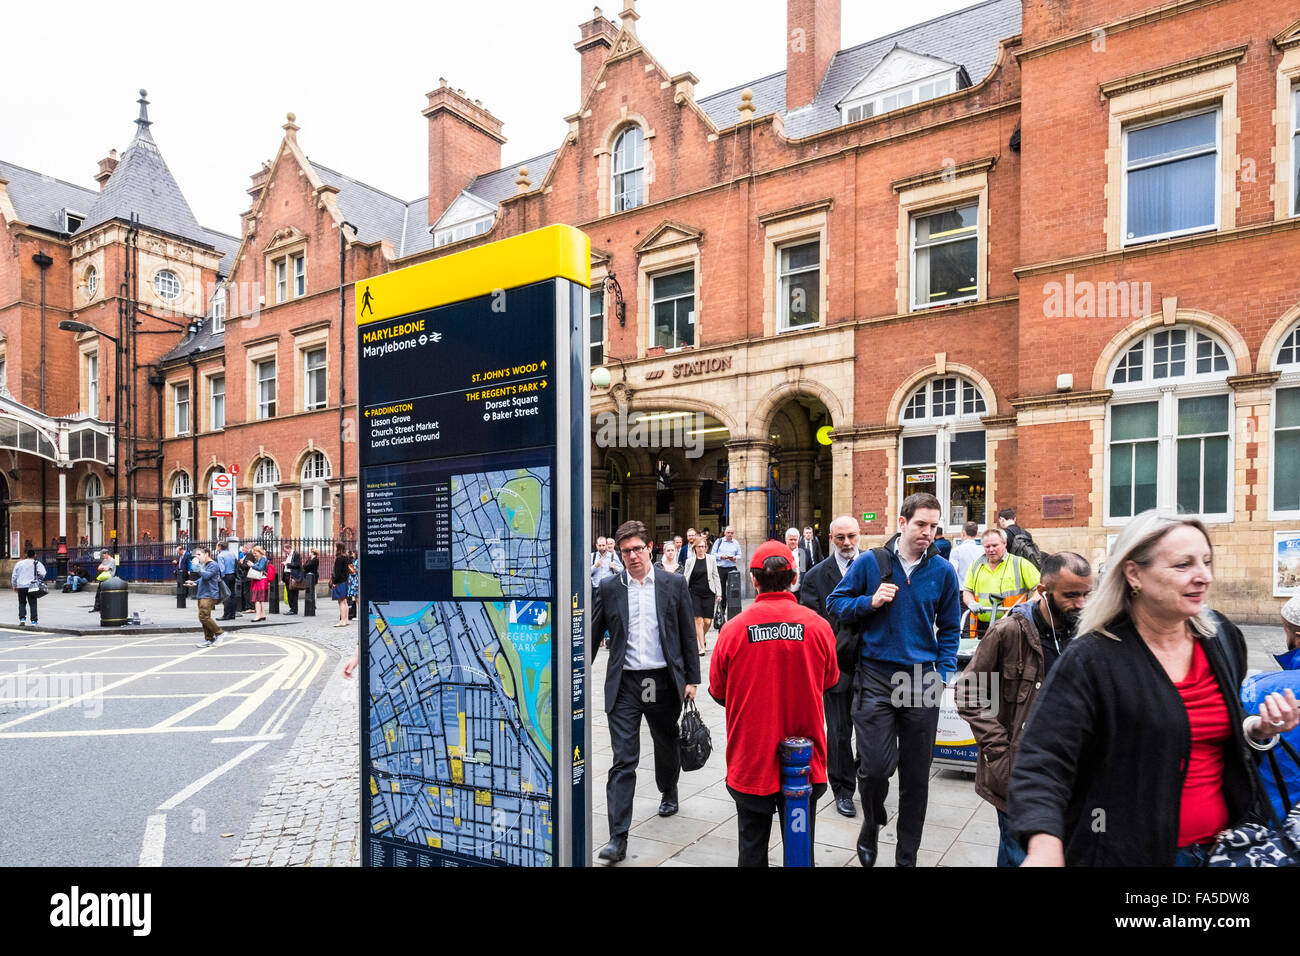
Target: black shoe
{"type": "Point", "coordinates": [614, 851]}
{"type": "Point", "coordinates": [867, 843]}
{"type": "Point", "coordinates": [845, 806]}
{"type": "Point", "coordinates": [668, 806]}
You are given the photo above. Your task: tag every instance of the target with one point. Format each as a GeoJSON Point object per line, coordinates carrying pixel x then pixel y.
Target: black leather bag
{"type": "Point", "coordinates": [693, 740]}
{"type": "Point", "coordinates": [720, 614]}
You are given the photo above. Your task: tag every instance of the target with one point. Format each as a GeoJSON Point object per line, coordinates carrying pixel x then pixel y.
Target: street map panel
{"type": "Point", "coordinates": [461, 730]}
{"type": "Point", "coordinates": [501, 533]}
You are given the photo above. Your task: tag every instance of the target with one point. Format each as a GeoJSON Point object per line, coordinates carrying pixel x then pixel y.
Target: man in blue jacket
{"type": "Point", "coordinates": [1258, 686]}
{"type": "Point", "coordinates": [910, 619]}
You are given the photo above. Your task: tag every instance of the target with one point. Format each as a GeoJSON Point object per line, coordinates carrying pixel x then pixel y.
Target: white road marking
{"type": "Point", "coordinates": [177, 799]}
{"type": "Point", "coordinates": [155, 834]}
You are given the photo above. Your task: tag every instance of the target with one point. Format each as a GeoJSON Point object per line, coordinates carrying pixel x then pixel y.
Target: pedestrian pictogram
{"type": "Point", "coordinates": [366, 301]}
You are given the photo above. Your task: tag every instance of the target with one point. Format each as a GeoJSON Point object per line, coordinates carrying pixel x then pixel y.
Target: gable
{"type": "Point", "coordinates": [666, 235]}
{"type": "Point", "coordinates": [463, 209]}
{"type": "Point", "coordinates": [899, 67]}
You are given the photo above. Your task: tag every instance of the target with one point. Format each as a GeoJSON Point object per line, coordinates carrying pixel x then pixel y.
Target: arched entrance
{"type": "Point", "coordinates": [800, 477]}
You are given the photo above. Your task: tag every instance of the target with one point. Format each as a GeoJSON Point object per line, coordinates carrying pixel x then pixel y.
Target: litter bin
{"type": "Point", "coordinates": [181, 588]}
{"type": "Point", "coordinates": [113, 602]}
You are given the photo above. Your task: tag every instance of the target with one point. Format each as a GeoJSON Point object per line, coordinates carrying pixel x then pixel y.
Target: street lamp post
{"type": "Point", "coordinates": [69, 325]}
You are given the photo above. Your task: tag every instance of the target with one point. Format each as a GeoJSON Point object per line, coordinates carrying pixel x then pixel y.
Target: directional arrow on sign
{"type": "Point", "coordinates": [543, 363]}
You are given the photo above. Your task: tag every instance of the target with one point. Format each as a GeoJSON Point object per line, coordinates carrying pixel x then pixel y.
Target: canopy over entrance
{"type": "Point", "coordinates": [64, 441]}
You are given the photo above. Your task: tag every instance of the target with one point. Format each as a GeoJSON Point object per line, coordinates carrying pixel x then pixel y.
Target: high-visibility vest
{"type": "Point", "coordinates": [1003, 598]}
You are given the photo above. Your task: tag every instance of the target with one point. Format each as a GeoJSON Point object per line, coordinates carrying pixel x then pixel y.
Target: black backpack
{"type": "Point", "coordinates": [1022, 546]}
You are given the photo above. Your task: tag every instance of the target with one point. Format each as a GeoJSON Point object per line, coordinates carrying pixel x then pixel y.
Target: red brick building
{"type": "Point", "coordinates": [1025, 254]}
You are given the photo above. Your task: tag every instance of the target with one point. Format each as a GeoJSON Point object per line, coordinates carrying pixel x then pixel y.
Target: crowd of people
{"type": "Point", "coordinates": [1115, 721]}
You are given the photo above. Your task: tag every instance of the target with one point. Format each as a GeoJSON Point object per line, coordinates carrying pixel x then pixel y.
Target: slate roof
{"type": "Point", "coordinates": [969, 37]}
{"type": "Point", "coordinates": [143, 184]}
{"type": "Point", "coordinates": [205, 340]}
{"type": "Point", "coordinates": [500, 184]}
{"type": "Point", "coordinates": [375, 213]}
{"type": "Point", "coordinates": [39, 199]}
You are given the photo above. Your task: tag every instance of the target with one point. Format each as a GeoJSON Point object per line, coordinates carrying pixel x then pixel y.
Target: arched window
{"type": "Point", "coordinates": [93, 493]}
{"type": "Point", "coordinates": [942, 447]}
{"type": "Point", "coordinates": [628, 170]}
{"type": "Point", "coordinates": [316, 496]}
{"type": "Point", "coordinates": [182, 507]}
{"type": "Point", "coordinates": [266, 498]}
{"type": "Point", "coordinates": [1285, 472]}
{"type": "Point", "coordinates": [1169, 426]}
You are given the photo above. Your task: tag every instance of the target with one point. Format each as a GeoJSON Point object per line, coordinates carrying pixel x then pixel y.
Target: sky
{"type": "Point", "coordinates": [222, 77]}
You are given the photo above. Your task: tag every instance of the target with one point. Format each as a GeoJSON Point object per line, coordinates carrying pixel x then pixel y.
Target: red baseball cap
{"type": "Point", "coordinates": [770, 549]}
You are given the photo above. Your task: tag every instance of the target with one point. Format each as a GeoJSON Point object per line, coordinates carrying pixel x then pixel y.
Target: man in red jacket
{"type": "Point", "coordinates": [769, 670]}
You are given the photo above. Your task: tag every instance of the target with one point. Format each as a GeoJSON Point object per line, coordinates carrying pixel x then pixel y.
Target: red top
{"type": "Point", "coordinates": [771, 665]}
{"type": "Point", "coordinates": [1204, 810]}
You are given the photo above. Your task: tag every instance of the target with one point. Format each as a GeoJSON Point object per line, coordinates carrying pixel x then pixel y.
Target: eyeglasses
{"type": "Point", "coordinates": [626, 552]}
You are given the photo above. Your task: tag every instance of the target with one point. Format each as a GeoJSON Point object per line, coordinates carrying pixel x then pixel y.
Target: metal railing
{"type": "Point", "coordinates": [154, 560]}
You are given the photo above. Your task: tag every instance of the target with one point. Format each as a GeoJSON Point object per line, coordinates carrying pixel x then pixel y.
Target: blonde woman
{"type": "Point", "coordinates": [1137, 752]}
{"type": "Point", "coordinates": [704, 584]}
{"type": "Point", "coordinates": [668, 560]}
{"type": "Point", "coordinates": [260, 589]}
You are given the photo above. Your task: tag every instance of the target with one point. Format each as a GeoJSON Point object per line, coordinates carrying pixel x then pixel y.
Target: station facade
{"type": "Point", "coordinates": [1026, 255]}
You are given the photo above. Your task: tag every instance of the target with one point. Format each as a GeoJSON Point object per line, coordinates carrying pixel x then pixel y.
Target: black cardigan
{"type": "Point", "coordinates": [1102, 761]}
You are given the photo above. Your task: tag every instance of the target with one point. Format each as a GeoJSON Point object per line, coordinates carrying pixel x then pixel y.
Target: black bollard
{"type": "Point", "coordinates": [180, 589]}
{"type": "Point", "coordinates": [274, 596]}
{"type": "Point", "coordinates": [309, 595]}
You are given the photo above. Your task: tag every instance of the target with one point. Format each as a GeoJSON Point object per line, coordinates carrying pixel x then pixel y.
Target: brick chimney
{"type": "Point", "coordinates": [106, 167]}
{"type": "Point", "coordinates": [598, 36]}
{"type": "Point", "coordinates": [812, 38]}
{"type": "Point", "coordinates": [464, 141]}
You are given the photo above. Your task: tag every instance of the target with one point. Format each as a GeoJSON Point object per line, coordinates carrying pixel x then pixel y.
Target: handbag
{"type": "Point", "coordinates": [720, 614]}
{"type": "Point", "coordinates": [1256, 845]}
{"type": "Point", "coordinates": [254, 575]}
{"type": "Point", "coordinates": [693, 740]}
{"type": "Point", "coordinates": [224, 589]}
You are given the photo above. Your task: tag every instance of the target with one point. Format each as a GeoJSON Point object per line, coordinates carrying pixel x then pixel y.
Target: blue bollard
{"type": "Point", "coordinates": [796, 764]}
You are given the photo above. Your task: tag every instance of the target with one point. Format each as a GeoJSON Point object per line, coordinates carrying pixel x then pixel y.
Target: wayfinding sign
{"type": "Point", "coordinates": [473, 421]}
{"type": "Point", "coordinates": [222, 501]}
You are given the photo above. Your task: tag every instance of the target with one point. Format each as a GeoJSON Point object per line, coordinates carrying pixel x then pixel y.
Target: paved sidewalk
{"type": "Point", "coordinates": [310, 813]}
{"type": "Point", "coordinates": [71, 614]}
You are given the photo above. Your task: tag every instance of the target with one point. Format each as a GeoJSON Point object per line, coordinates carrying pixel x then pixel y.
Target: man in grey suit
{"type": "Point", "coordinates": [841, 766]}
{"type": "Point", "coordinates": [653, 667]}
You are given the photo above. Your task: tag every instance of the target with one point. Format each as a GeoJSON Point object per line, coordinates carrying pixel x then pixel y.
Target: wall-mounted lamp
{"type": "Point", "coordinates": [610, 282]}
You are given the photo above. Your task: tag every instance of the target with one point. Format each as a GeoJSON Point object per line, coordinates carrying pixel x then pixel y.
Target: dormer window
{"type": "Point", "coordinates": [898, 98]}
{"type": "Point", "coordinates": [901, 79]}
{"type": "Point", "coordinates": [467, 217]}
{"type": "Point", "coordinates": [72, 220]}
{"type": "Point", "coordinates": [464, 230]}
{"type": "Point", "coordinates": [217, 310]}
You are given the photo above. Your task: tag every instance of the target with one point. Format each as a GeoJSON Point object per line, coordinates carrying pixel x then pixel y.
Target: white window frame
{"type": "Point", "coordinates": [877, 101]}
{"type": "Point", "coordinates": [182, 494]}
{"type": "Point", "coordinates": [322, 370]}
{"type": "Point", "coordinates": [177, 404]}
{"type": "Point", "coordinates": [618, 197]}
{"type": "Point", "coordinates": [1124, 171]}
{"type": "Point", "coordinates": [1294, 185]}
{"type": "Point", "coordinates": [783, 297]}
{"type": "Point", "coordinates": [162, 284]}
{"type": "Point", "coordinates": [463, 230]}
{"type": "Point", "coordinates": [282, 280]}
{"type": "Point", "coordinates": [654, 300]}
{"type": "Point", "coordinates": [1290, 378]}
{"type": "Point", "coordinates": [92, 281]}
{"type": "Point", "coordinates": [597, 295]}
{"type": "Point", "coordinates": [266, 497]}
{"type": "Point", "coordinates": [917, 215]}
{"type": "Point", "coordinates": [1166, 392]}
{"type": "Point", "coordinates": [266, 408]}
{"type": "Point", "coordinates": [217, 310]}
{"type": "Point", "coordinates": [94, 509]}
{"type": "Point", "coordinates": [216, 422]}
{"type": "Point", "coordinates": [92, 383]}
{"type": "Point", "coordinates": [299, 261]}
{"type": "Point", "coordinates": [315, 498]}
{"type": "Point", "coordinates": [944, 428]}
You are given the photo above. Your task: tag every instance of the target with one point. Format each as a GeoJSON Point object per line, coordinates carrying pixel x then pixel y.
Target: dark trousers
{"type": "Point", "coordinates": [653, 695]}
{"type": "Point", "coordinates": [95, 606]}
{"type": "Point", "coordinates": [1010, 852]}
{"type": "Point", "coordinates": [754, 821]}
{"type": "Point", "coordinates": [27, 598]}
{"type": "Point", "coordinates": [895, 732]}
{"type": "Point", "coordinates": [229, 607]}
{"type": "Point", "coordinates": [841, 766]}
